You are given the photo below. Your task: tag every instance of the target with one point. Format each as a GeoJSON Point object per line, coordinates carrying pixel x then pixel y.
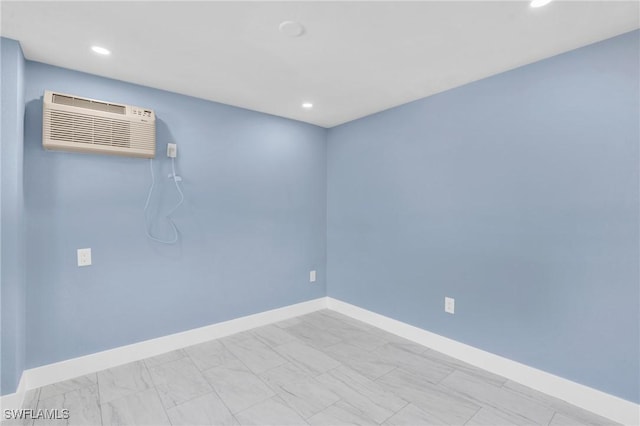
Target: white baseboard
{"type": "Point", "coordinates": [64, 370]}
{"type": "Point", "coordinates": [13, 401]}
{"type": "Point", "coordinates": [590, 399]}
{"type": "Point", "coordinates": [601, 403]}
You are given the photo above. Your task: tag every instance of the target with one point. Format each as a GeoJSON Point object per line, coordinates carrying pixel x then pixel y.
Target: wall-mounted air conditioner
{"type": "Point", "coordinates": [74, 123]}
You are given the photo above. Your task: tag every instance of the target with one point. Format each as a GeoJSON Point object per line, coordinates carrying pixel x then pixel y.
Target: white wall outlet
{"type": "Point", "coordinates": [172, 150]}
{"type": "Point", "coordinates": [84, 257]}
{"type": "Point", "coordinates": [450, 305]}
{"type": "Point", "coordinates": [312, 276]}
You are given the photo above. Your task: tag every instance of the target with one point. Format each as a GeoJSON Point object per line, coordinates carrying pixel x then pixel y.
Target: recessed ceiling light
{"type": "Point", "coordinates": [307, 105]}
{"type": "Point", "coordinates": [101, 50]}
{"type": "Point", "coordinates": [291, 28]}
{"type": "Point", "coordinates": [540, 3]}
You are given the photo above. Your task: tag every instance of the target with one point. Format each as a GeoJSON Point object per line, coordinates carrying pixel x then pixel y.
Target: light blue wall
{"type": "Point", "coordinates": [252, 226]}
{"type": "Point", "coordinates": [518, 196]}
{"type": "Point", "coordinates": [12, 249]}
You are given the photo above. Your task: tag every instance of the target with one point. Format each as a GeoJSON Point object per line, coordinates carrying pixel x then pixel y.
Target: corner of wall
{"type": "Point", "coordinates": [12, 248]}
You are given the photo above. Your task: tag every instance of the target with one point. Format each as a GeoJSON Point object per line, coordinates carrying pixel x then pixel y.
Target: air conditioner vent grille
{"type": "Point", "coordinates": [88, 104]}
{"type": "Point", "coordinates": [80, 128]}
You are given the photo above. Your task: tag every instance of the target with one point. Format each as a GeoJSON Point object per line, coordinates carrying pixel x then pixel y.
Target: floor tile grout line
{"type": "Point", "coordinates": [235, 418]}
{"type": "Point", "coordinates": [537, 401]}
{"type": "Point", "coordinates": [474, 414]}
{"type": "Point", "coordinates": [326, 408]}
{"type": "Point", "coordinates": [62, 404]}
{"type": "Point", "coordinates": [197, 370]}
{"type": "Point", "coordinates": [210, 384]}
{"type": "Point", "coordinates": [246, 408]}
{"type": "Point", "coordinates": [162, 404]}
{"type": "Point", "coordinates": [187, 400]}
{"type": "Point", "coordinates": [165, 362]}
{"type": "Point", "coordinates": [340, 364]}
{"type": "Point", "coordinates": [99, 404]}
{"type": "Point", "coordinates": [252, 405]}
{"type": "Point", "coordinates": [37, 401]}
{"type": "Point", "coordinates": [242, 362]}
{"type": "Point", "coordinates": [192, 360]}
{"type": "Point", "coordinates": [398, 410]}
{"type": "Point", "coordinates": [253, 372]}
{"type": "Point", "coordinates": [492, 405]}
{"type": "Point", "coordinates": [388, 372]}
{"type": "Point", "coordinates": [445, 377]}
{"type": "Point", "coordinates": [249, 371]}
{"type": "Point", "coordinates": [384, 389]}
{"type": "Point", "coordinates": [222, 401]}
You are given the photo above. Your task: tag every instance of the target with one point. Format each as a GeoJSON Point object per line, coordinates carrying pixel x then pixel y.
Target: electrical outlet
{"type": "Point", "coordinates": [172, 150]}
{"type": "Point", "coordinates": [84, 257]}
{"type": "Point", "coordinates": [312, 276]}
{"type": "Point", "coordinates": [450, 305]}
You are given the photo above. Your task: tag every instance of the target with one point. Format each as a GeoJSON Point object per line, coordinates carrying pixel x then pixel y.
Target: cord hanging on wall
{"type": "Point", "coordinates": [171, 152]}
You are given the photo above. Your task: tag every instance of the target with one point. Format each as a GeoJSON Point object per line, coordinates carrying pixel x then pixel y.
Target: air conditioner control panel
{"type": "Point", "coordinates": [141, 112]}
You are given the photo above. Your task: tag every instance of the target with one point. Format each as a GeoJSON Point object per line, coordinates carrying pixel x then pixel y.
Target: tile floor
{"type": "Point", "coordinates": [318, 369]}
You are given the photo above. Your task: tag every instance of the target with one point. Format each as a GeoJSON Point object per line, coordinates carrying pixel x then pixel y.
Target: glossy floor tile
{"type": "Point", "coordinates": [142, 408]}
{"type": "Point", "coordinates": [178, 381]}
{"type": "Point", "coordinates": [411, 415]}
{"type": "Point", "coordinates": [317, 369]}
{"type": "Point", "coordinates": [257, 356]}
{"type": "Point", "coordinates": [207, 409]}
{"type": "Point", "coordinates": [238, 387]}
{"type": "Point", "coordinates": [341, 413]}
{"type": "Point", "coordinates": [364, 362]}
{"type": "Point", "coordinates": [440, 402]}
{"type": "Point", "coordinates": [124, 380]}
{"type": "Point", "coordinates": [368, 399]}
{"type": "Point", "coordinates": [300, 391]}
{"type": "Point", "coordinates": [83, 402]}
{"type": "Point", "coordinates": [273, 411]}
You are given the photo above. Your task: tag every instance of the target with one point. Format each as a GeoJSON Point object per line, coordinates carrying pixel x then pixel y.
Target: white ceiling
{"type": "Point", "coordinates": [355, 58]}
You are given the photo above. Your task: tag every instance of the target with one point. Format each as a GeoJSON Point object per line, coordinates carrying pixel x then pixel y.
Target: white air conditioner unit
{"type": "Point", "coordinates": [73, 123]}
